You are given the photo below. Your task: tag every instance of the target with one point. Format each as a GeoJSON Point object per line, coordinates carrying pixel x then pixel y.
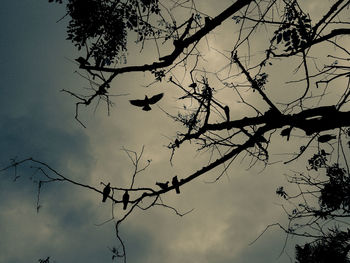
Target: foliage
{"type": "Point", "coordinates": [330, 248]}
{"type": "Point", "coordinates": [317, 105]}
{"type": "Point", "coordinates": [106, 24]}
{"type": "Point", "coordinates": [336, 192]}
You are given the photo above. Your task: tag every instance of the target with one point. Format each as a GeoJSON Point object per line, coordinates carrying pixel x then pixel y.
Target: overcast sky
{"type": "Point", "coordinates": [37, 120]}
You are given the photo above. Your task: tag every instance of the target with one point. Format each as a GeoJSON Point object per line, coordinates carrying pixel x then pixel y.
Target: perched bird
{"type": "Point", "coordinates": [207, 20]}
{"type": "Point", "coordinates": [147, 101]}
{"type": "Point", "coordinates": [163, 186]}
{"type": "Point", "coordinates": [106, 192]}
{"type": "Point", "coordinates": [125, 200]}
{"type": "Point", "coordinates": [326, 138]}
{"type": "Point", "coordinates": [175, 183]}
{"type": "Point", "coordinates": [227, 113]}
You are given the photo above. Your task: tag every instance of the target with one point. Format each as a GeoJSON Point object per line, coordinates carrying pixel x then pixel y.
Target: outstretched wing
{"type": "Point", "coordinates": [155, 98]}
{"type": "Point", "coordinates": [138, 103]}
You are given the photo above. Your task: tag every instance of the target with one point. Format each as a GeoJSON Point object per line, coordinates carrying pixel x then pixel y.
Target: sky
{"type": "Point", "coordinates": [37, 120]}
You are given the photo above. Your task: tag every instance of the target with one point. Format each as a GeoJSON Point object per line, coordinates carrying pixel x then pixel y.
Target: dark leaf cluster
{"type": "Point", "coordinates": [331, 248]}
{"type": "Point", "coordinates": [188, 120]}
{"type": "Point", "coordinates": [336, 192]}
{"type": "Point", "coordinates": [319, 160]}
{"type": "Point", "coordinates": [261, 80]}
{"type": "Point", "coordinates": [158, 74]}
{"type": "Point", "coordinates": [295, 30]}
{"type": "Point", "coordinates": [102, 26]}
{"type": "Point", "coordinates": [280, 192]}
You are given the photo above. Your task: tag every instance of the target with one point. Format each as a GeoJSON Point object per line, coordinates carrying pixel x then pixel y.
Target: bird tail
{"type": "Point", "coordinates": [146, 108]}
{"type": "Point", "coordinates": [125, 205]}
{"type": "Point", "coordinates": [177, 190]}
{"type": "Point", "coordinates": [104, 198]}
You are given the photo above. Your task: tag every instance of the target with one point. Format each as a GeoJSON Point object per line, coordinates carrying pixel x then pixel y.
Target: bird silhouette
{"type": "Point", "coordinates": [175, 183]}
{"type": "Point", "coordinates": [207, 20]}
{"type": "Point", "coordinates": [106, 192]}
{"type": "Point", "coordinates": [227, 113]}
{"type": "Point", "coordinates": [125, 200]}
{"type": "Point", "coordinates": [163, 186]}
{"type": "Point", "coordinates": [147, 101]}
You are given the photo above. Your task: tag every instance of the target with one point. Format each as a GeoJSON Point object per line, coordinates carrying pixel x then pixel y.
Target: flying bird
{"type": "Point", "coordinates": [147, 101]}
{"type": "Point", "coordinates": [106, 192]}
{"type": "Point", "coordinates": [125, 200]}
{"type": "Point", "coordinates": [175, 183]}
{"type": "Point", "coordinates": [163, 186]}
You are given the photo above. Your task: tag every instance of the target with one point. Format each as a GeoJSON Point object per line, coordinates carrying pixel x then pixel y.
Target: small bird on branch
{"type": "Point", "coordinates": [227, 113]}
{"type": "Point", "coordinates": [125, 200]}
{"type": "Point", "coordinates": [163, 186]}
{"type": "Point", "coordinates": [175, 183]}
{"type": "Point", "coordinates": [147, 101]}
{"type": "Point", "coordinates": [106, 192]}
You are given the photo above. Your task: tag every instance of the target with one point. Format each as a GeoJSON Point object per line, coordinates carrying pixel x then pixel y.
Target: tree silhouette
{"type": "Point", "coordinates": [314, 114]}
{"type": "Point", "coordinates": [331, 248]}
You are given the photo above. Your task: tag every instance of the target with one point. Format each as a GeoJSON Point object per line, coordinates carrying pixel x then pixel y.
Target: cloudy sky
{"type": "Point", "coordinates": [37, 120]}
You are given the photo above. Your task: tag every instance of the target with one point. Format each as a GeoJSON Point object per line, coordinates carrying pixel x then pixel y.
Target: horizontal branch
{"type": "Point", "coordinates": [180, 44]}
{"type": "Point", "coordinates": [311, 121]}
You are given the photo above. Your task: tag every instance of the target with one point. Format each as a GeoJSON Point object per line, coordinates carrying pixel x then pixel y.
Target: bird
{"type": "Point", "coordinates": [227, 113]}
{"type": "Point", "coordinates": [106, 192]}
{"type": "Point", "coordinates": [326, 138]}
{"type": "Point", "coordinates": [175, 183]}
{"type": "Point", "coordinates": [207, 20]}
{"type": "Point", "coordinates": [125, 200]}
{"type": "Point", "coordinates": [163, 186]}
{"type": "Point", "coordinates": [147, 101]}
